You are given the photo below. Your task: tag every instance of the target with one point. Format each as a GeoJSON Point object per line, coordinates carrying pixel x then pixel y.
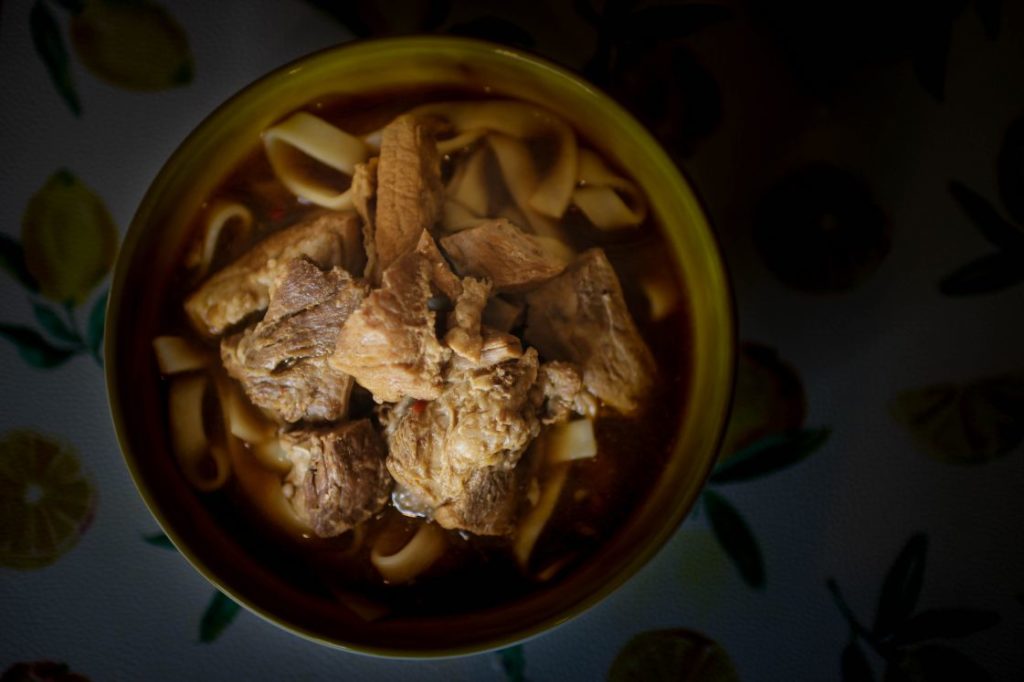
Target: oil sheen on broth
{"type": "Point", "coordinates": [479, 399]}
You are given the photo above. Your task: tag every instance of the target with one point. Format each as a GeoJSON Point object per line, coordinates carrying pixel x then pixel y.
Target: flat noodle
{"type": "Point", "coordinates": [175, 354]}
{"type": "Point", "coordinates": [219, 215]}
{"type": "Point", "coordinates": [240, 417]}
{"type": "Point", "coordinates": [600, 196]}
{"type": "Point", "coordinates": [452, 144]}
{"type": "Point", "coordinates": [189, 441]}
{"type": "Point", "coordinates": [572, 440]}
{"type": "Point", "coordinates": [372, 140]}
{"type": "Point", "coordinates": [320, 140]}
{"type": "Point", "coordinates": [263, 489]}
{"type": "Point", "coordinates": [271, 455]}
{"type": "Point", "coordinates": [662, 295]}
{"type": "Point", "coordinates": [468, 185]}
{"type": "Point", "coordinates": [550, 197]}
{"type": "Point", "coordinates": [536, 519]}
{"type": "Point", "coordinates": [243, 421]}
{"type": "Point", "coordinates": [521, 179]}
{"type": "Point", "coordinates": [416, 556]}
{"type": "Point", "coordinates": [460, 141]}
{"type": "Point", "coordinates": [455, 217]}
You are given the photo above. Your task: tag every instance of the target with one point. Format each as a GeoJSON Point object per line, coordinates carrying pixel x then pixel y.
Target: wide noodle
{"type": "Point", "coordinates": [175, 354]}
{"type": "Point", "coordinates": [534, 521]}
{"type": "Point", "coordinates": [416, 556]}
{"type": "Point", "coordinates": [551, 195]}
{"type": "Point", "coordinates": [601, 192]}
{"type": "Point", "coordinates": [320, 140]}
{"type": "Point", "coordinates": [220, 215]}
{"type": "Point", "coordinates": [207, 468]}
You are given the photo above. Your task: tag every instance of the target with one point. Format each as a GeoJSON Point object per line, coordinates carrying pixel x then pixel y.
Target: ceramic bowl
{"type": "Point", "coordinates": [155, 239]}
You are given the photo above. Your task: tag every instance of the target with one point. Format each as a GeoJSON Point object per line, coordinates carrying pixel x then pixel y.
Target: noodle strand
{"type": "Point", "coordinates": [321, 141]}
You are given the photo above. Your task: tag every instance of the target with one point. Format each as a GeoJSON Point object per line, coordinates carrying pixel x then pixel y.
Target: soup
{"type": "Point", "coordinates": [420, 346]}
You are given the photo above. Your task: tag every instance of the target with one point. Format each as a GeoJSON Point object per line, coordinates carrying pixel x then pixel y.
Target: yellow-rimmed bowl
{"type": "Point", "coordinates": [155, 239]}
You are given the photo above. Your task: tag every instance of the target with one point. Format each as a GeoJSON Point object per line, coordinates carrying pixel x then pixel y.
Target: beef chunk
{"type": "Point", "coordinates": [463, 335]}
{"type": "Point", "coordinates": [558, 385]}
{"type": "Point", "coordinates": [497, 249]}
{"type": "Point", "coordinates": [441, 275]}
{"type": "Point", "coordinates": [364, 198]}
{"type": "Point", "coordinates": [338, 475]}
{"type": "Point", "coordinates": [282, 361]}
{"type": "Point", "coordinates": [409, 190]}
{"type": "Point", "coordinates": [581, 316]}
{"type": "Point", "coordinates": [243, 288]}
{"type": "Point", "coordinates": [488, 504]}
{"type": "Point", "coordinates": [468, 296]}
{"type": "Point", "coordinates": [458, 453]}
{"type": "Point", "coordinates": [389, 344]}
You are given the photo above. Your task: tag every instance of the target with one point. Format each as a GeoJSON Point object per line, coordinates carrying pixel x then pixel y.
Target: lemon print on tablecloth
{"type": "Point", "coordinates": [676, 654]}
{"type": "Point", "coordinates": [133, 45]}
{"type": "Point", "coordinates": [69, 239]}
{"type": "Point", "coordinates": [769, 398]}
{"type": "Point", "coordinates": [46, 500]}
{"type": "Point", "coordinates": [969, 423]}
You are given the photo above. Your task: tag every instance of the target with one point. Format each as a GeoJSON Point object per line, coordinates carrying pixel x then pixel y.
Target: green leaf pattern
{"type": "Point", "coordinates": [735, 537]}
{"type": "Point", "coordinates": [140, 46]}
{"type": "Point", "coordinates": [219, 614]}
{"type": "Point", "coordinates": [49, 44]}
{"type": "Point", "coordinates": [905, 639]}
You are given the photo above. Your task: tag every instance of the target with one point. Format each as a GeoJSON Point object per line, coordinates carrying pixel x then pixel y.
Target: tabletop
{"type": "Point", "coordinates": [863, 165]}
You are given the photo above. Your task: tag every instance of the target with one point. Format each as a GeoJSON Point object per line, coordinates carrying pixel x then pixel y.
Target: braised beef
{"type": "Point", "coordinates": [458, 453]}
{"type": "Point", "coordinates": [500, 251]}
{"type": "Point", "coordinates": [338, 477]}
{"type": "Point", "coordinates": [243, 288]}
{"type": "Point", "coordinates": [463, 335]}
{"type": "Point", "coordinates": [281, 362]}
{"type": "Point", "coordinates": [364, 198]}
{"type": "Point", "coordinates": [389, 343]}
{"type": "Point", "coordinates": [581, 316]}
{"type": "Point", "coordinates": [557, 390]}
{"type": "Point", "coordinates": [409, 190]}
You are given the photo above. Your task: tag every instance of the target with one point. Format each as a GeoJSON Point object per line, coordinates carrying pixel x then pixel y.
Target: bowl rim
{"type": "Point", "coordinates": [644, 550]}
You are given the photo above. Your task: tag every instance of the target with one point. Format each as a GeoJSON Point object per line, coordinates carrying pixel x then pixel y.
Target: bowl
{"type": "Point", "coordinates": [157, 234]}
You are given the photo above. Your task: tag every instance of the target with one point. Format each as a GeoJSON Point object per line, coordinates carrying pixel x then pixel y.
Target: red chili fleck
{"type": "Point", "coordinates": [276, 213]}
{"type": "Point", "coordinates": [419, 406]}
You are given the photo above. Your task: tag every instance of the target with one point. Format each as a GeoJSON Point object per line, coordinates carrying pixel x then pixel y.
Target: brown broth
{"type": "Point", "coordinates": [476, 572]}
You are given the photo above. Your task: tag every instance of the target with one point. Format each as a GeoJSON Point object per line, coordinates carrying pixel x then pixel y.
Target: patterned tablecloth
{"type": "Point", "coordinates": [864, 166]}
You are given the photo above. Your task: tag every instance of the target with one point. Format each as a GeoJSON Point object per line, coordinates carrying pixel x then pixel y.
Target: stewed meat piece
{"type": "Point", "coordinates": [458, 454]}
{"type": "Point", "coordinates": [281, 362]}
{"type": "Point", "coordinates": [364, 198]}
{"type": "Point", "coordinates": [338, 477]}
{"type": "Point", "coordinates": [581, 316]}
{"type": "Point", "coordinates": [243, 288]}
{"type": "Point", "coordinates": [511, 259]}
{"type": "Point", "coordinates": [409, 190]}
{"type": "Point", "coordinates": [389, 344]}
